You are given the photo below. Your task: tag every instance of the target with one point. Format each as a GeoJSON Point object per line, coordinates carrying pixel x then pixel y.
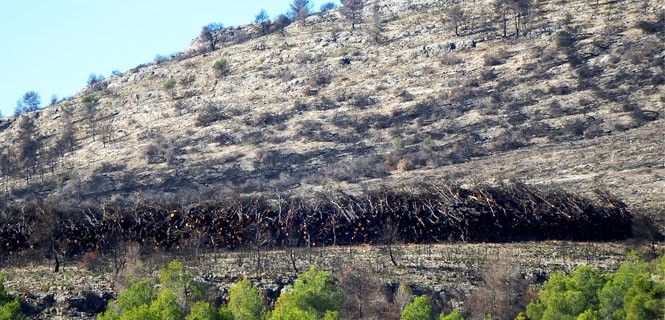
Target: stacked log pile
{"type": "Point", "coordinates": [424, 213]}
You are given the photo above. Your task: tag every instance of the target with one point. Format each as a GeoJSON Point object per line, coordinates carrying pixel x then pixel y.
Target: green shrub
{"type": "Point", "coordinates": [314, 295]}
{"type": "Point", "coordinates": [138, 296]}
{"type": "Point", "coordinates": [203, 311]}
{"type": "Point", "coordinates": [11, 310]}
{"type": "Point", "coordinates": [222, 67]}
{"type": "Point", "coordinates": [225, 314]}
{"type": "Point", "coordinates": [419, 309]}
{"type": "Point", "coordinates": [455, 315]}
{"type": "Point", "coordinates": [331, 315]}
{"type": "Point", "coordinates": [90, 100]}
{"type": "Point", "coordinates": [635, 291]}
{"type": "Point", "coordinates": [169, 84]}
{"type": "Point", "coordinates": [588, 315]}
{"type": "Point", "coordinates": [177, 291]}
{"type": "Point", "coordinates": [10, 307]}
{"type": "Point", "coordinates": [566, 297]}
{"type": "Point", "coordinates": [166, 307]}
{"type": "Point", "coordinates": [174, 277]}
{"type": "Point", "coordinates": [612, 294]}
{"type": "Point", "coordinates": [245, 301]}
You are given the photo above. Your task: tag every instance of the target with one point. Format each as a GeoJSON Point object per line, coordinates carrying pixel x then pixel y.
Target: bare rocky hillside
{"type": "Point", "coordinates": [575, 99]}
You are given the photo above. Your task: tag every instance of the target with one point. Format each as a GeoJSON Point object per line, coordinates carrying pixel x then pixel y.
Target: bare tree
{"type": "Point", "coordinates": [300, 10]}
{"type": "Point", "coordinates": [7, 164]}
{"type": "Point", "coordinates": [352, 10]}
{"type": "Point", "coordinates": [390, 235]}
{"type": "Point", "coordinates": [376, 30]}
{"type": "Point", "coordinates": [209, 34]}
{"type": "Point", "coordinates": [280, 23]}
{"type": "Point", "coordinates": [502, 7]}
{"type": "Point", "coordinates": [455, 16]}
{"type": "Point", "coordinates": [501, 292]}
{"type": "Point", "coordinates": [106, 133]}
{"type": "Point", "coordinates": [90, 114]}
{"type": "Point", "coordinates": [67, 139]}
{"type": "Point", "coordinates": [46, 230]}
{"type": "Point", "coordinates": [522, 10]}
{"type": "Point", "coordinates": [27, 145]}
{"type": "Point", "coordinates": [363, 295]}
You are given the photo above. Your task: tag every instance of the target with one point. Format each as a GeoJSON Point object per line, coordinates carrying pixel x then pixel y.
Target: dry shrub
{"type": "Point", "coordinates": [451, 60]}
{"type": "Point", "coordinates": [90, 260]}
{"type": "Point", "coordinates": [502, 291]}
{"type": "Point", "coordinates": [575, 128]}
{"type": "Point", "coordinates": [496, 57]}
{"type": "Point", "coordinates": [406, 96]}
{"type": "Point", "coordinates": [364, 295]}
{"type": "Point", "coordinates": [320, 79]}
{"type": "Point", "coordinates": [461, 94]}
{"type": "Point", "coordinates": [163, 150]}
{"type": "Point", "coordinates": [646, 229]}
{"type": "Point", "coordinates": [404, 165]}
{"type": "Point", "coordinates": [470, 82]}
{"type": "Point", "coordinates": [357, 169]}
{"type": "Point", "coordinates": [403, 296]}
{"type": "Point", "coordinates": [209, 114]}
{"type": "Point", "coordinates": [127, 265]}
{"type": "Point", "coordinates": [564, 39]}
{"type": "Point", "coordinates": [363, 100]}
{"type": "Point", "coordinates": [506, 142]}
{"type": "Point", "coordinates": [657, 26]}
{"type": "Point", "coordinates": [560, 90]}
{"type": "Point", "coordinates": [488, 75]}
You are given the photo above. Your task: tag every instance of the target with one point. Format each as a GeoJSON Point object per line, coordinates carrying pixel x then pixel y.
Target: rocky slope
{"type": "Point", "coordinates": [575, 100]}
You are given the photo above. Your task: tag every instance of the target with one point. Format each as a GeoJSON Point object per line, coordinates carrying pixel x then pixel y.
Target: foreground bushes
{"type": "Point", "coordinates": [635, 291]}
{"type": "Point", "coordinates": [10, 307]}
{"type": "Point", "coordinates": [314, 295]}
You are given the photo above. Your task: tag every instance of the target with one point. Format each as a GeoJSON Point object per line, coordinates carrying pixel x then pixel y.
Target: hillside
{"type": "Point", "coordinates": [575, 100]}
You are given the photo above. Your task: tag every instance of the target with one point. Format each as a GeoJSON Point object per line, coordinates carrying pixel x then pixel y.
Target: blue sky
{"type": "Point", "coordinates": [52, 46]}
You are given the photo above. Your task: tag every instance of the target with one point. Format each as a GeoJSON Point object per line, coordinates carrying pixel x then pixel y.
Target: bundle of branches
{"type": "Point", "coordinates": [423, 213]}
